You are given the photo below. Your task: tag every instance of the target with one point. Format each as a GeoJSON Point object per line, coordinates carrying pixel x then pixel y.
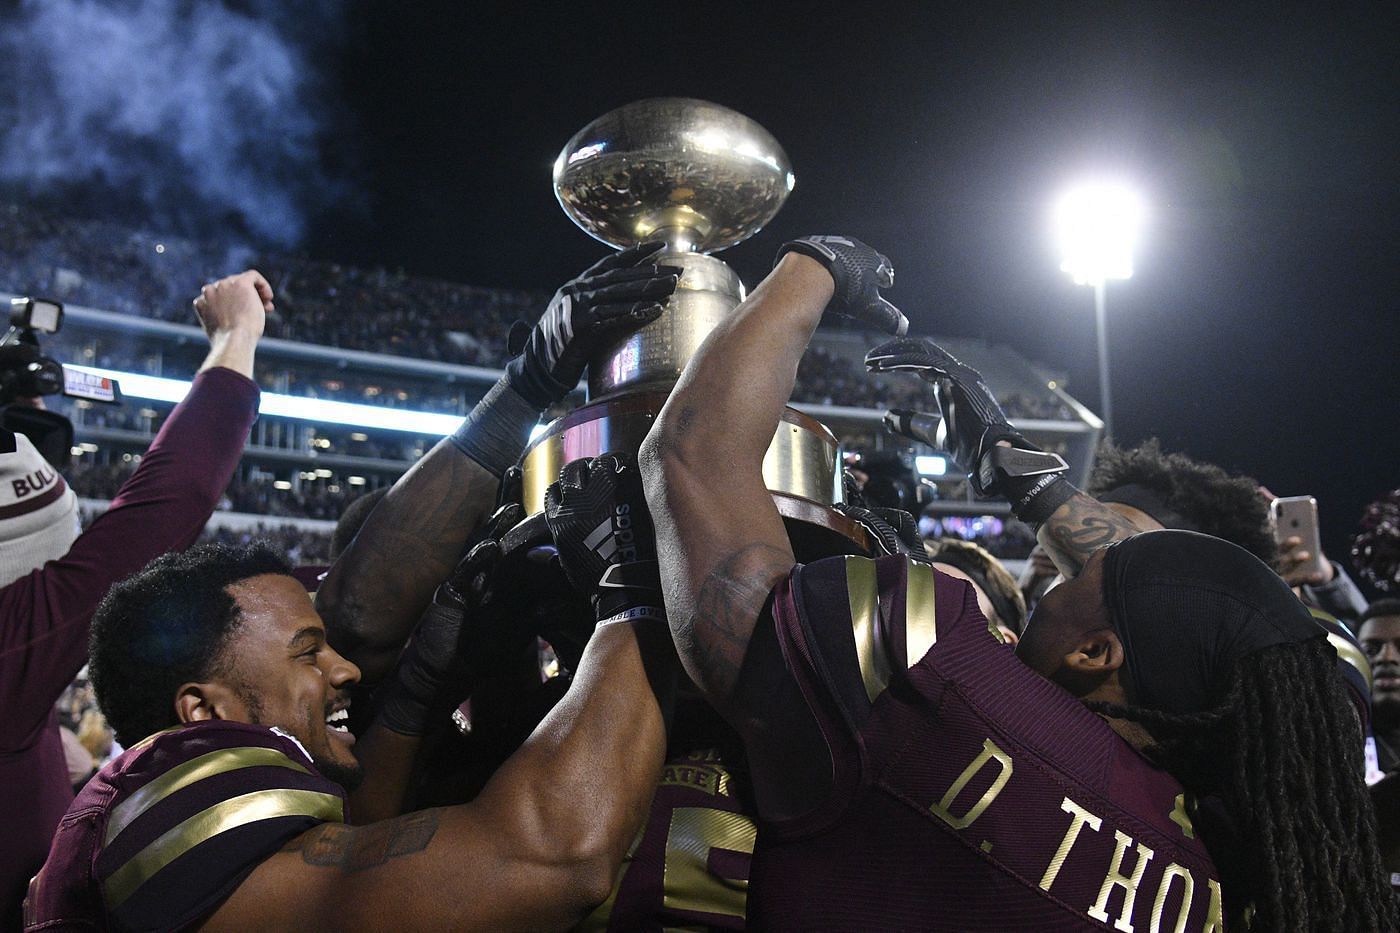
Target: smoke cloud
{"type": "Point", "coordinates": [210, 119]}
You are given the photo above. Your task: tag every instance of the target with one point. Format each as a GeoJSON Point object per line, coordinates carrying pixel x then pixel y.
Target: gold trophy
{"type": "Point", "coordinates": [702, 178]}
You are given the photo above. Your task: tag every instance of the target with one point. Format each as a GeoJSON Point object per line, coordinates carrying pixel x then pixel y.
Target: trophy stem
{"type": "Point", "coordinates": [678, 239]}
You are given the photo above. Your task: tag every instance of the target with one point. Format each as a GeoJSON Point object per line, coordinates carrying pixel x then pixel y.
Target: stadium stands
{"type": "Point", "coordinates": [388, 340]}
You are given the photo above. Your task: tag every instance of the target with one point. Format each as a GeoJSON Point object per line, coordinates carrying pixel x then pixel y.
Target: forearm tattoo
{"type": "Point", "coordinates": [1079, 528]}
{"type": "Point", "coordinates": [727, 605]}
{"type": "Point", "coordinates": [355, 848]}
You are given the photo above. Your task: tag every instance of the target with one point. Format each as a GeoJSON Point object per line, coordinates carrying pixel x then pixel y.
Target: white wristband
{"type": "Point", "coordinates": [636, 614]}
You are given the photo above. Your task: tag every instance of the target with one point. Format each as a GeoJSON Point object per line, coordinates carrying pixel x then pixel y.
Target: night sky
{"type": "Point", "coordinates": [1259, 331]}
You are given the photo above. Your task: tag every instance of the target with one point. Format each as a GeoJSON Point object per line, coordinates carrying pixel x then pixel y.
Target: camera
{"type": "Point", "coordinates": [26, 374]}
{"type": "Point", "coordinates": [887, 479]}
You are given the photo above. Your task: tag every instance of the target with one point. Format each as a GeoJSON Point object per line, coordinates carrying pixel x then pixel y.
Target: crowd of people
{"type": "Point", "coordinates": [139, 272]}
{"type": "Point", "coordinates": [1176, 718]}
{"type": "Point", "coordinates": [109, 267]}
{"type": "Point", "coordinates": [254, 492]}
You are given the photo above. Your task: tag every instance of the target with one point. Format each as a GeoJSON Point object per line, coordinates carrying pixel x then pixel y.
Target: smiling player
{"type": "Point", "coordinates": [230, 813]}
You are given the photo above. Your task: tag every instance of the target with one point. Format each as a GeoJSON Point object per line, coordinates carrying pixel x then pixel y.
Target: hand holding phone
{"type": "Point", "coordinates": [1300, 545]}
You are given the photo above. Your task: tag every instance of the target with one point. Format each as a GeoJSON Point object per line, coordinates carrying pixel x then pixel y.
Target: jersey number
{"type": "Point", "coordinates": [690, 883]}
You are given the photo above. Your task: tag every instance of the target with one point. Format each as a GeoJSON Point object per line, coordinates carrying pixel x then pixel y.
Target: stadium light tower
{"type": "Point", "coordinates": [1097, 225]}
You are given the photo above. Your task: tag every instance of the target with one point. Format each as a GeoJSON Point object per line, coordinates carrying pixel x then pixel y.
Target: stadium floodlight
{"type": "Point", "coordinates": [319, 411]}
{"type": "Point", "coordinates": [1097, 225]}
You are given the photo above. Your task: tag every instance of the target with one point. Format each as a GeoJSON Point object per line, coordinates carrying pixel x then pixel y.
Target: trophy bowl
{"type": "Point", "coordinates": [698, 175]}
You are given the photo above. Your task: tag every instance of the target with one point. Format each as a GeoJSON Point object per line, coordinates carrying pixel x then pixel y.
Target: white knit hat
{"type": "Point", "coordinates": [38, 512]}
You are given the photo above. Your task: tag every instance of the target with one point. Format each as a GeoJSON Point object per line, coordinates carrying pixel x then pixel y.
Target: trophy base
{"type": "Point", "coordinates": [656, 354]}
{"type": "Point", "coordinates": [801, 467]}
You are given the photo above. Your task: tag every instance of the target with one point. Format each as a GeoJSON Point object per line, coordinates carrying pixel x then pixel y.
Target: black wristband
{"type": "Point", "coordinates": [533, 383]}
{"type": "Point", "coordinates": [497, 428]}
{"type": "Point", "coordinates": [625, 586]}
{"type": "Point", "coordinates": [1035, 498]}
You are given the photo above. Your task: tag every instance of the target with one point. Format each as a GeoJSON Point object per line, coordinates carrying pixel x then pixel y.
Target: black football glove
{"type": "Point", "coordinates": [859, 273]}
{"type": "Point", "coordinates": [972, 421]}
{"type": "Point", "coordinates": [613, 297]}
{"type": "Point", "coordinates": [894, 530]}
{"type": "Point", "coordinates": [598, 516]}
{"type": "Point", "coordinates": [971, 425]}
{"type": "Point", "coordinates": [447, 648]}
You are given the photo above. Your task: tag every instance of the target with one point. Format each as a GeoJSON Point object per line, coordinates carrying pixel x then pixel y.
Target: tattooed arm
{"type": "Point", "coordinates": [722, 543]}
{"type": "Point", "coordinates": [1080, 527]}
{"type": "Point", "coordinates": [537, 849]}
{"type": "Point", "coordinates": [376, 591]}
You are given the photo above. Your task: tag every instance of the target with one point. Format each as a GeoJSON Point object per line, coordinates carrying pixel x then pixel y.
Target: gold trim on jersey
{"type": "Point", "coordinates": [207, 765]}
{"type": "Point", "coordinates": [205, 825]}
{"type": "Point", "coordinates": [145, 743]}
{"type": "Point", "coordinates": [863, 592]}
{"type": "Point", "coordinates": [687, 882]}
{"type": "Point", "coordinates": [1181, 816]}
{"type": "Point", "coordinates": [920, 618]}
{"type": "Point", "coordinates": [1347, 651]}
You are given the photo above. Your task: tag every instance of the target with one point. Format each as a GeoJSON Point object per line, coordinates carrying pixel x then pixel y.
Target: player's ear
{"type": "Point", "coordinates": [202, 702]}
{"type": "Point", "coordinates": [1096, 653]}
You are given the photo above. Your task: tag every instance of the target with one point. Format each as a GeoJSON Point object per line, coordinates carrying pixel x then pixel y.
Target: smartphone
{"type": "Point", "coordinates": [1296, 516]}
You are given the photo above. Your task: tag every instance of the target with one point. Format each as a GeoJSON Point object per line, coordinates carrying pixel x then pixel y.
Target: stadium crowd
{"type": "Point", "coordinates": [254, 492]}
{"type": "Point", "coordinates": [1177, 718]}
{"type": "Point", "coordinates": [110, 267]}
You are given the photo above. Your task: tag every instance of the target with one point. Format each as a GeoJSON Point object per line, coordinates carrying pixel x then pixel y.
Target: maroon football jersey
{"type": "Point", "coordinates": [161, 835]}
{"type": "Point", "coordinates": [688, 867]}
{"type": "Point", "coordinates": [970, 793]}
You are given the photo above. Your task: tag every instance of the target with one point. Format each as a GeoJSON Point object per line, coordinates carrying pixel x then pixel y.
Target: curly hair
{"type": "Point", "coordinates": [988, 573]}
{"type": "Point", "coordinates": [167, 625]}
{"type": "Point", "coordinates": [1216, 503]}
{"type": "Point", "coordinates": [1297, 843]}
{"type": "Point", "coordinates": [1389, 606]}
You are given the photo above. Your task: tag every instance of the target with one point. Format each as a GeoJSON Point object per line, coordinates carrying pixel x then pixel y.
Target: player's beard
{"type": "Point", "coordinates": [348, 777]}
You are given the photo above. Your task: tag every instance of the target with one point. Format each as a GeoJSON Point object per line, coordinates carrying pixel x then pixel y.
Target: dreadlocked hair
{"type": "Point", "coordinates": [1283, 753]}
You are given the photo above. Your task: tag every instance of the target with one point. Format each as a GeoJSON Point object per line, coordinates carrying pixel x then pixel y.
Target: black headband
{"type": "Point", "coordinates": [1146, 499]}
{"type": "Point", "coordinates": [1186, 607]}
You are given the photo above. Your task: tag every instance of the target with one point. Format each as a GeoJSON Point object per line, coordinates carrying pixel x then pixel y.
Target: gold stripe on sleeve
{"type": "Point", "coordinates": [203, 826]}
{"type": "Point", "coordinates": [863, 592]}
{"type": "Point", "coordinates": [1347, 651]}
{"type": "Point", "coordinates": [920, 620]}
{"type": "Point", "coordinates": [144, 743]}
{"type": "Point", "coordinates": [1352, 655]}
{"type": "Point", "coordinates": [220, 761]}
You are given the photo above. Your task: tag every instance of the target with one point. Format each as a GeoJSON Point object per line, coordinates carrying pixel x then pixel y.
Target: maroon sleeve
{"type": "Point", "coordinates": [44, 617]}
